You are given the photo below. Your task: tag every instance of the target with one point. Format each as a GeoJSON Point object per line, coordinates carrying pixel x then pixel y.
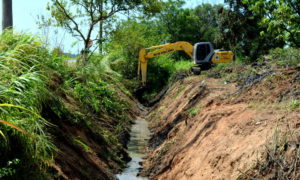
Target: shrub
{"type": "Point", "coordinates": [285, 57]}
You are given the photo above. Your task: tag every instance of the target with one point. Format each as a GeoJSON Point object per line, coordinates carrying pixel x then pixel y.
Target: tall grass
{"type": "Point", "coordinates": [22, 92]}
{"type": "Point", "coordinates": [34, 80]}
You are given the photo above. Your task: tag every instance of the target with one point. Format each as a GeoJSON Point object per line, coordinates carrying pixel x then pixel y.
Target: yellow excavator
{"type": "Point", "coordinates": [202, 53]}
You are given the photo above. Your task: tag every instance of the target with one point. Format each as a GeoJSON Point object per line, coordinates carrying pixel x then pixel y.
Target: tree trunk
{"type": "Point", "coordinates": [101, 38]}
{"type": "Point", "coordinates": [7, 14]}
{"type": "Point", "coordinates": [101, 30]}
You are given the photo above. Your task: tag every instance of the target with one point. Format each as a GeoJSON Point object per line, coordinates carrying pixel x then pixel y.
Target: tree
{"type": "Point", "coordinates": [279, 17]}
{"type": "Point", "coordinates": [207, 23]}
{"type": "Point", "coordinates": [243, 34]}
{"type": "Point", "coordinates": [80, 17]}
{"type": "Point", "coordinates": [192, 25]}
{"type": "Point", "coordinates": [234, 4]}
{"type": "Point", "coordinates": [129, 37]}
{"type": "Point", "coordinates": [7, 14]}
{"type": "Point", "coordinates": [101, 30]}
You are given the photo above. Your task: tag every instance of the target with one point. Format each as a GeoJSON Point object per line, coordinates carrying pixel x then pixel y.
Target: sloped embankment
{"type": "Point", "coordinates": [58, 121]}
{"type": "Point", "coordinates": [90, 144]}
{"type": "Point", "coordinates": [207, 129]}
{"type": "Point", "coordinates": [86, 152]}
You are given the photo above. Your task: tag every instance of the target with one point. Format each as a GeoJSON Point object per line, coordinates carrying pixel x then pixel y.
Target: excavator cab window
{"type": "Point", "coordinates": [203, 52]}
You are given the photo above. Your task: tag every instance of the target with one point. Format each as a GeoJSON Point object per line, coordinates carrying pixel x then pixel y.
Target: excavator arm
{"type": "Point", "coordinates": [154, 51]}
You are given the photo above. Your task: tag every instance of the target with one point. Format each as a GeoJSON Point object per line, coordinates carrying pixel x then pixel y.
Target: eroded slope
{"type": "Point", "coordinates": [206, 128]}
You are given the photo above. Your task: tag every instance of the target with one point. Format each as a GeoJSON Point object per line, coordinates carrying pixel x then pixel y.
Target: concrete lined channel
{"type": "Point", "coordinates": [139, 137]}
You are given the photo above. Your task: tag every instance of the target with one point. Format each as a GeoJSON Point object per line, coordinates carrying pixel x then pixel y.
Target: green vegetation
{"type": "Point", "coordinates": [281, 153]}
{"type": "Point", "coordinates": [193, 25]}
{"type": "Point", "coordinates": [280, 18]}
{"type": "Point", "coordinates": [285, 57]}
{"type": "Point", "coordinates": [81, 17]}
{"type": "Point", "coordinates": [248, 37]}
{"type": "Point", "coordinates": [35, 82]}
{"type": "Point", "coordinates": [23, 91]}
{"type": "Point", "coordinates": [124, 51]}
{"type": "Point", "coordinates": [294, 105]}
{"type": "Point", "coordinates": [83, 145]}
{"type": "Point", "coordinates": [9, 170]}
{"type": "Point", "coordinates": [40, 92]}
{"type": "Point", "coordinates": [194, 111]}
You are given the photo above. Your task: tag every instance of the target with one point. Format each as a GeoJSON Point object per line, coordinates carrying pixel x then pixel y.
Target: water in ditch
{"type": "Point", "coordinates": [139, 137]}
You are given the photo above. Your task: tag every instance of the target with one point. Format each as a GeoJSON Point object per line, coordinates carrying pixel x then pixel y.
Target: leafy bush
{"type": "Point", "coordinates": [98, 96]}
{"type": "Point", "coordinates": [184, 65]}
{"type": "Point", "coordinates": [128, 39]}
{"type": "Point", "coordinates": [285, 57]}
{"type": "Point", "coordinates": [94, 85]}
{"type": "Point", "coordinates": [9, 170]}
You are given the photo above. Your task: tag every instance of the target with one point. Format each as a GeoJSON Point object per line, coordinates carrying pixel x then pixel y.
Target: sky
{"type": "Point", "coordinates": [25, 14]}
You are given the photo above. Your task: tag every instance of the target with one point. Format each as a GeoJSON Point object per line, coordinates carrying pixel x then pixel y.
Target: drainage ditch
{"type": "Point", "coordinates": [137, 145]}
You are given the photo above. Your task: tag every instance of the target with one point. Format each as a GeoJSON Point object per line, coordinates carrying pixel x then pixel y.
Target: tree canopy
{"type": "Point", "coordinates": [80, 17]}
{"type": "Point", "coordinates": [279, 17]}
{"type": "Point", "coordinates": [248, 27]}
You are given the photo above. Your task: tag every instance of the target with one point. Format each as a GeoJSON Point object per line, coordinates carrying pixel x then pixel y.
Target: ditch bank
{"type": "Point", "coordinates": [206, 128]}
{"type": "Point", "coordinates": [89, 144]}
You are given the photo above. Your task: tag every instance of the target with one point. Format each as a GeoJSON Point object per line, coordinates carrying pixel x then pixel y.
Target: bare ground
{"type": "Point", "coordinates": [204, 128]}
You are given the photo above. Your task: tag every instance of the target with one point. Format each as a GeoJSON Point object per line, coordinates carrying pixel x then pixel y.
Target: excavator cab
{"type": "Point", "coordinates": [205, 56]}
{"type": "Point", "coordinates": [202, 55]}
{"type": "Point", "coordinates": [203, 52]}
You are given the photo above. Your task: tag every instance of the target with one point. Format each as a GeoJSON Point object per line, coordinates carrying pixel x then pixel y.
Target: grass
{"type": "Point", "coordinates": [166, 147]}
{"type": "Point", "coordinates": [179, 90]}
{"type": "Point", "coordinates": [183, 65]}
{"type": "Point", "coordinates": [292, 105]}
{"type": "Point", "coordinates": [281, 159]}
{"type": "Point", "coordinates": [22, 93]}
{"type": "Point", "coordinates": [161, 109]}
{"type": "Point", "coordinates": [241, 68]}
{"type": "Point", "coordinates": [35, 80]}
{"type": "Point", "coordinates": [194, 111]}
{"type": "Point", "coordinates": [83, 145]}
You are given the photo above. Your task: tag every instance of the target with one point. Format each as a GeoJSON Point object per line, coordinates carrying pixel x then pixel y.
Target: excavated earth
{"type": "Point", "coordinates": [206, 128]}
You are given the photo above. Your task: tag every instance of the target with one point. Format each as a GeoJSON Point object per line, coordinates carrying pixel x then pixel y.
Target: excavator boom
{"type": "Point", "coordinates": [154, 51]}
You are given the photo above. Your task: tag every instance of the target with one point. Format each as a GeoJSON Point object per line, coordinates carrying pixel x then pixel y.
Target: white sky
{"type": "Point", "coordinates": [25, 14]}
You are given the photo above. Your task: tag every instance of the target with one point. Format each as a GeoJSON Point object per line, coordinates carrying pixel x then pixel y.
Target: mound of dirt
{"type": "Point", "coordinates": [204, 128]}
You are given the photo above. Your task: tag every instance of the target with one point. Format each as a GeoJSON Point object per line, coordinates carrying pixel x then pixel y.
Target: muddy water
{"type": "Point", "coordinates": [139, 137]}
